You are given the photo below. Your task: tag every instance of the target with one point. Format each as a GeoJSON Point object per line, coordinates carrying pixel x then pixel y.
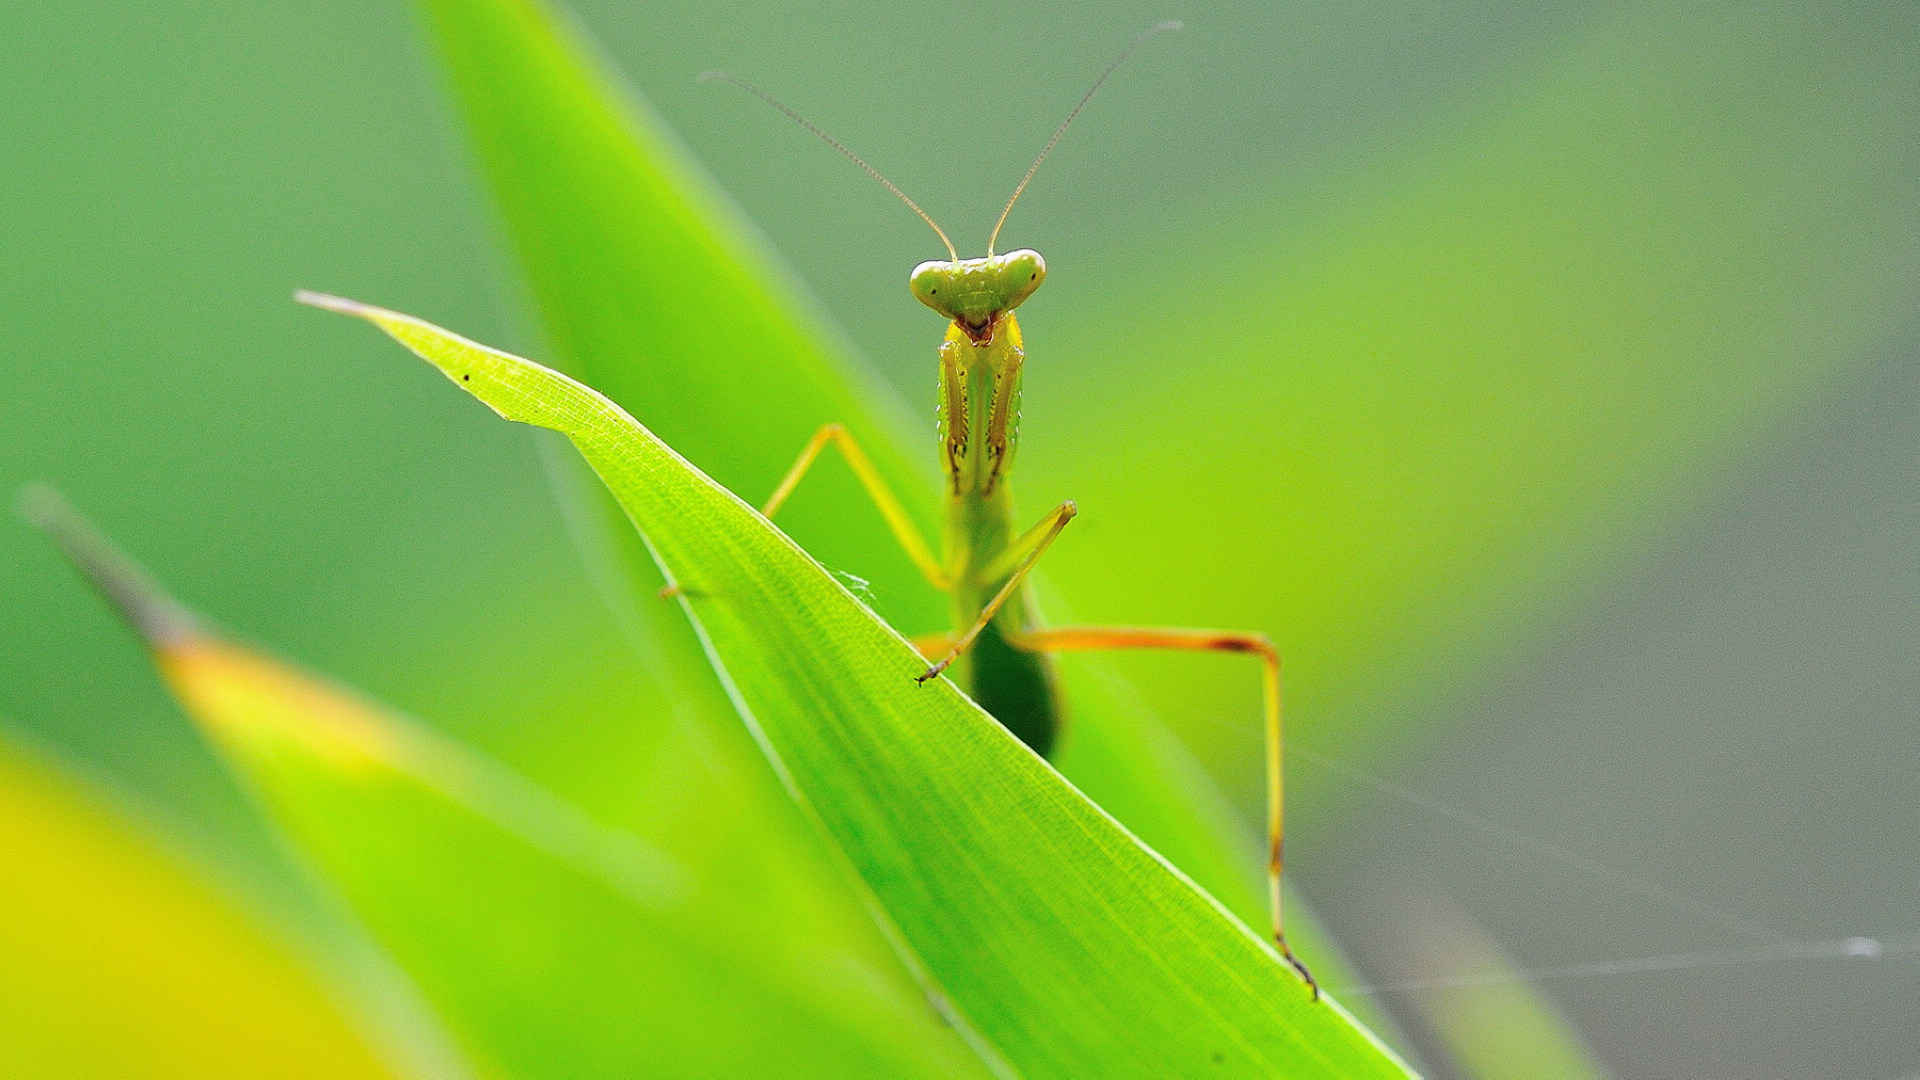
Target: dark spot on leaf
{"type": "Point", "coordinates": [464, 378]}
{"type": "Point", "coordinates": [1218, 1057]}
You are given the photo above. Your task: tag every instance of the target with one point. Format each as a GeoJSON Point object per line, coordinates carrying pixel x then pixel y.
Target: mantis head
{"type": "Point", "coordinates": [974, 293]}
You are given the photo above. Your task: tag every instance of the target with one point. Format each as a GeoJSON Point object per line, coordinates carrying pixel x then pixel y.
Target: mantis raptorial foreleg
{"type": "Point", "coordinates": [1016, 562]}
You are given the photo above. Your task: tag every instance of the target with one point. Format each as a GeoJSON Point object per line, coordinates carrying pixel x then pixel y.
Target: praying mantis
{"type": "Point", "coordinates": [998, 650]}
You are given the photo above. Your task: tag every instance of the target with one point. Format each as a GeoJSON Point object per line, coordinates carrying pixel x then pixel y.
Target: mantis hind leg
{"type": "Point", "coordinates": [1089, 638]}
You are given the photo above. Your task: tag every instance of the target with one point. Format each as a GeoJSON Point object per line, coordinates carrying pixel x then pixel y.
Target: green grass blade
{"type": "Point", "coordinates": [1071, 948]}
{"type": "Point", "coordinates": [120, 962]}
{"type": "Point", "coordinates": [549, 944]}
{"type": "Point", "coordinates": [649, 285]}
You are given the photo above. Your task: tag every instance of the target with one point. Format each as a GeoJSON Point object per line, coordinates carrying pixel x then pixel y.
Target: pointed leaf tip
{"type": "Point", "coordinates": [328, 302]}
{"type": "Point", "coordinates": [153, 614]}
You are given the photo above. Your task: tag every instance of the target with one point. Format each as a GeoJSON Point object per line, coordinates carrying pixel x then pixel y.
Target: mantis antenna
{"type": "Point", "coordinates": [743, 84]}
{"type": "Point", "coordinates": [1171, 24]}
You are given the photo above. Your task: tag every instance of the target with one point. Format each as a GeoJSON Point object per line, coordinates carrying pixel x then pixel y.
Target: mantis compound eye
{"type": "Point", "coordinates": [1023, 271]}
{"type": "Point", "coordinates": [935, 285]}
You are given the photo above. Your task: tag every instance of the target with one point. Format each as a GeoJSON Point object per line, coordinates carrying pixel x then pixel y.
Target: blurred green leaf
{"type": "Point", "coordinates": [122, 962]}
{"type": "Point", "coordinates": [554, 946]}
{"type": "Point", "coordinates": [650, 286]}
{"type": "Point", "coordinates": [1067, 945]}
{"type": "Point", "coordinates": [550, 944]}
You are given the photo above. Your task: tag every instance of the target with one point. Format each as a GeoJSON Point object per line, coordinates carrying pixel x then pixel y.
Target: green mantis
{"type": "Point", "coordinates": [998, 649]}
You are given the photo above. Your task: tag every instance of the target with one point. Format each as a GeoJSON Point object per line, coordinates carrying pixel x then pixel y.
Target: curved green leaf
{"type": "Point", "coordinates": [1066, 944]}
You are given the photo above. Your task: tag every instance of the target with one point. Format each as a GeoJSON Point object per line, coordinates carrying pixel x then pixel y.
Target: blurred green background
{"type": "Point", "coordinates": [1541, 377]}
